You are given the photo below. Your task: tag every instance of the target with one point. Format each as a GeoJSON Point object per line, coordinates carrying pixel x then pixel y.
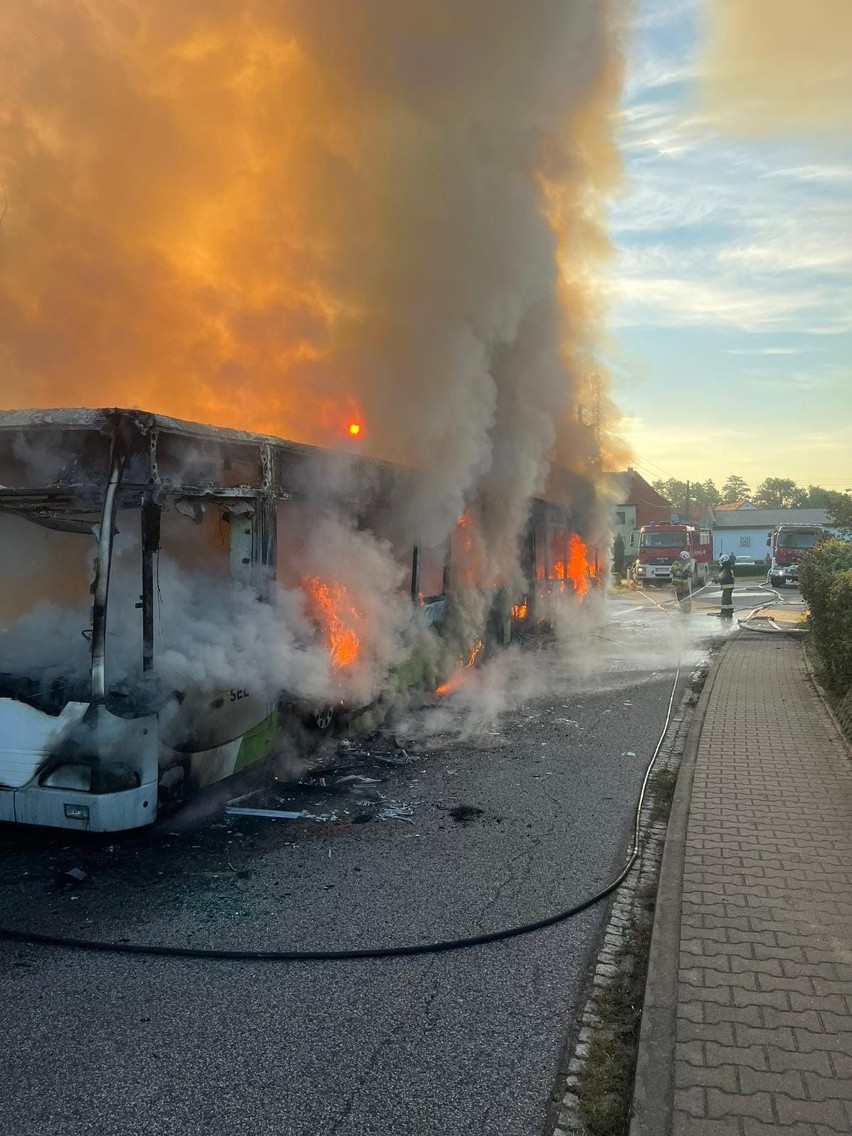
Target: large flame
{"type": "Point", "coordinates": [339, 618]}
{"type": "Point", "coordinates": [578, 565]}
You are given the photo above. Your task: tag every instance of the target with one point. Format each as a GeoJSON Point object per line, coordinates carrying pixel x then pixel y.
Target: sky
{"type": "Point", "coordinates": [731, 296]}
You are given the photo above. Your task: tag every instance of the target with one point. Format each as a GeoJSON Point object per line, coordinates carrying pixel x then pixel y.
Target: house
{"type": "Point", "coordinates": [638, 503]}
{"type": "Point", "coordinates": [745, 531]}
{"type": "Point", "coordinates": [735, 505]}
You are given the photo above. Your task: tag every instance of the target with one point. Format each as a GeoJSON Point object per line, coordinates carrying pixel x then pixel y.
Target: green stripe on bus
{"type": "Point", "coordinates": [258, 743]}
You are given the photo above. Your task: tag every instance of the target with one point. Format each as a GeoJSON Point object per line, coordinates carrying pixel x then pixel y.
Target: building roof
{"type": "Point", "coordinates": [635, 490]}
{"type": "Point", "coordinates": [736, 505]}
{"type": "Point", "coordinates": [766, 518]}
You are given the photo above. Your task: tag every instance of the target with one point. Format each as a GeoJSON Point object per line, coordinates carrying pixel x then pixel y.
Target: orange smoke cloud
{"type": "Point", "coordinates": [776, 64]}
{"type": "Point", "coordinates": [260, 213]}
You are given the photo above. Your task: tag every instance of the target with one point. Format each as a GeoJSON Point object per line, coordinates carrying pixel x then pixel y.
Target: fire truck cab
{"type": "Point", "coordinates": [661, 543]}
{"type": "Point", "coordinates": [788, 544]}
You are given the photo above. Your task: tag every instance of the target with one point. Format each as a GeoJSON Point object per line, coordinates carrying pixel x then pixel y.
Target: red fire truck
{"type": "Point", "coordinates": [661, 543]}
{"type": "Point", "coordinates": [788, 544]}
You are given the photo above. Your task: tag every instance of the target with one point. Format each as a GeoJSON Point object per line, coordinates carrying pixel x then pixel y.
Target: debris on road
{"type": "Point", "coordinates": [393, 810]}
{"type": "Point", "coordinates": [465, 813]}
{"type": "Point", "coordinates": [73, 877]}
{"type": "Point", "coordinates": [278, 814]}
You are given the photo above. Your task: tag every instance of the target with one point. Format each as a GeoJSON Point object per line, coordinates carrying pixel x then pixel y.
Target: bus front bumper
{"type": "Point", "coordinates": [89, 812]}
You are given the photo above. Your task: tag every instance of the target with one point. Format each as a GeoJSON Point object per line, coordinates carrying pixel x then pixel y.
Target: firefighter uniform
{"type": "Point", "coordinates": [726, 579]}
{"type": "Point", "coordinates": [682, 581]}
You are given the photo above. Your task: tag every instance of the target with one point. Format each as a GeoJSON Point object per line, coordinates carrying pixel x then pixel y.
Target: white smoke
{"type": "Point", "coordinates": [388, 210]}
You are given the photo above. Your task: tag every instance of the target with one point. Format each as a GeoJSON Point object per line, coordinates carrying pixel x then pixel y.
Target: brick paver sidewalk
{"type": "Point", "coordinates": [762, 1029]}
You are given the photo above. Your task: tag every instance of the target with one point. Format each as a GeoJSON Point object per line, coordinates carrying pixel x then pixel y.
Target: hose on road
{"type": "Point", "coordinates": [322, 955]}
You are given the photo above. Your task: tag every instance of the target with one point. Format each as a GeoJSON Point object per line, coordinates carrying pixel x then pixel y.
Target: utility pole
{"type": "Point", "coordinates": [687, 503]}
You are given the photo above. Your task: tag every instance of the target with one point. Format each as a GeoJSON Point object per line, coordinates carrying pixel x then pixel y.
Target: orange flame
{"type": "Point", "coordinates": [458, 677]}
{"type": "Point", "coordinates": [578, 565]}
{"type": "Point", "coordinates": [337, 615]}
{"type": "Point", "coordinates": [451, 685]}
{"type": "Point", "coordinates": [519, 611]}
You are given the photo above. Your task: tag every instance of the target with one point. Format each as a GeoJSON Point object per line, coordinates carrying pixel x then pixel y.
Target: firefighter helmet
{"type": "Point", "coordinates": [684, 555]}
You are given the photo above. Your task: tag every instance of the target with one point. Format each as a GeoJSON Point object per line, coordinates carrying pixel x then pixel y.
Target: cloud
{"type": "Point", "coordinates": [749, 450]}
{"type": "Point", "coordinates": [656, 14]}
{"type": "Point", "coordinates": [650, 73]}
{"type": "Point", "coordinates": [713, 230]}
{"type": "Point", "coordinates": [827, 174]}
{"type": "Point", "coordinates": [822, 441]}
{"type": "Point", "coordinates": [733, 265]}
{"type": "Point", "coordinates": [795, 243]}
{"type": "Point", "coordinates": [763, 350]}
{"type": "Point", "coordinates": [718, 233]}
{"type": "Point", "coordinates": [677, 301]}
{"type": "Point", "coordinates": [659, 127]}
{"type": "Point", "coordinates": [779, 66]}
{"type": "Point", "coordinates": [827, 378]}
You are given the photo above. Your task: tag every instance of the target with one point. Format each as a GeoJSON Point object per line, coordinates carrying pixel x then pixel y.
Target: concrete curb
{"type": "Point", "coordinates": [653, 1092]}
{"type": "Point", "coordinates": [820, 689]}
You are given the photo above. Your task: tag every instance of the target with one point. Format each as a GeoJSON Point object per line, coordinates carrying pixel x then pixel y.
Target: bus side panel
{"type": "Point", "coordinates": [212, 765]}
{"type": "Point", "coordinates": [259, 743]}
{"type": "Point", "coordinates": [7, 805]}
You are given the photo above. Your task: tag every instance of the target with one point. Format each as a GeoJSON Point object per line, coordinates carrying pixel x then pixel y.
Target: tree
{"type": "Point", "coordinates": [618, 556]}
{"type": "Point", "coordinates": [779, 493]}
{"type": "Point", "coordinates": [816, 497]}
{"type": "Point", "coordinates": [821, 498]}
{"type": "Point", "coordinates": [839, 508]}
{"type": "Point", "coordinates": [734, 490]}
{"type": "Point", "coordinates": [673, 491]}
{"type": "Point", "coordinates": [688, 498]}
{"type": "Point", "coordinates": [707, 494]}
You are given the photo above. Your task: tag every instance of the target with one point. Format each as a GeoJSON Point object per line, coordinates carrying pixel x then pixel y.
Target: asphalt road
{"type": "Point", "coordinates": [465, 1042]}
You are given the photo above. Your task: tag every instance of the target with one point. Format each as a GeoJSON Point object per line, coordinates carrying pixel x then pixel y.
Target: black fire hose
{"type": "Point", "coordinates": [439, 947]}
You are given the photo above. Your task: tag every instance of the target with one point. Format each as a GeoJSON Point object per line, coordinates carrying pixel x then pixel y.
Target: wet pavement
{"type": "Point", "coordinates": [469, 818]}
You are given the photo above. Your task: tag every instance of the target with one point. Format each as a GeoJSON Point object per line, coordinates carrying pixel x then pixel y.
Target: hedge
{"type": "Point", "coordinates": [825, 578]}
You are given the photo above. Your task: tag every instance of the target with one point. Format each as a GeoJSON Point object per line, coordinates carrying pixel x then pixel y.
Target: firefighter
{"type": "Point", "coordinates": [726, 579]}
{"type": "Point", "coordinates": [682, 580]}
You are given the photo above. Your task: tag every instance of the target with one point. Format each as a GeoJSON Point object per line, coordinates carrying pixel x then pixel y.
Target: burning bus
{"type": "Point", "coordinates": [171, 589]}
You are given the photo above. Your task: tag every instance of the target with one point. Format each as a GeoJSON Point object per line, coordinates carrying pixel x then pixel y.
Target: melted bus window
{"type": "Point", "coordinates": [432, 567]}
{"type": "Point", "coordinates": [38, 458]}
{"type": "Point", "coordinates": [195, 537]}
{"type": "Point", "coordinates": [45, 611]}
{"type": "Point", "coordinates": [199, 462]}
{"type": "Point", "coordinates": [294, 521]}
